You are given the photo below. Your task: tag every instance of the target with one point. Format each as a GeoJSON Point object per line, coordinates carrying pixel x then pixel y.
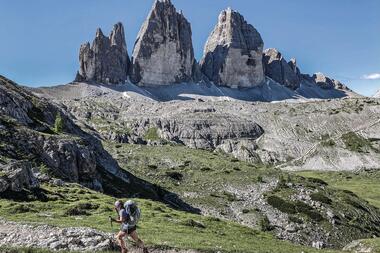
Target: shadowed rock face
{"type": "Point", "coordinates": [163, 52]}
{"type": "Point", "coordinates": [281, 71]}
{"type": "Point", "coordinates": [323, 81]}
{"type": "Point", "coordinates": [289, 75]}
{"type": "Point", "coordinates": [106, 61]}
{"type": "Point", "coordinates": [233, 53]}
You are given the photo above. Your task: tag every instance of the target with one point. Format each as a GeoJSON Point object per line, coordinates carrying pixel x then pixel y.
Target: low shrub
{"type": "Point", "coordinates": [152, 134]}
{"type": "Point", "coordinates": [81, 209]}
{"type": "Point", "coordinates": [294, 207]}
{"type": "Point", "coordinates": [230, 196]}
{"type": "Point", "coordinates": [75, 211]}
{"type": "Point", "coordinates": [194, 223]}
{"type": "Point", "coordinates": [282, 205]}
{"type": "Point", "coordinates": [355, 142]}
{"type": "Point", "coordinates": [320, 197]}
{"type": "Point", "coordinates": [316, 181]}
{"type": "Point", "coordinates": [175, 175]}
{"type": "Point", "coordinates": [22, 208]}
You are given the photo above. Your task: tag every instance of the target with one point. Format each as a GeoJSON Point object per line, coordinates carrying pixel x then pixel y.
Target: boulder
{"type": "Point", "coordinates": [17, 176]}
{"type": "Point", "coordinates": [70, 160]}
{"type": "Point", "coordinates": [281, 71]}
{"type": "Point", "coordinates": [233, 53]}
{"type": "Point", "coordinates": [163, 53]}
{"type": "Point", "coordinates": [107, 60]}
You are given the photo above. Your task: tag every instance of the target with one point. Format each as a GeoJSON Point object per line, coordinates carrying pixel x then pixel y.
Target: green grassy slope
{"type": "Point", "coordinates": [73, 205]}
{"type": "Point", "coordinates": [364, 184]}
{"type": "Point", "coordinates": [199, 173]}
{"type": "Point", "coordinates": [205, 179]}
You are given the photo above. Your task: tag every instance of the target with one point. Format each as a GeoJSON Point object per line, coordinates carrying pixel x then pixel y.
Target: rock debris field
{"type": "Point", "coordinates": [70, 239]}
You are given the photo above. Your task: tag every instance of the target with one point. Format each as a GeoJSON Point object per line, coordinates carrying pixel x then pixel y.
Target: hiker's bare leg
{"type": "Point", "coordinates": [120, 239]}
{"type": "Point", "coordinates": [138, 241]}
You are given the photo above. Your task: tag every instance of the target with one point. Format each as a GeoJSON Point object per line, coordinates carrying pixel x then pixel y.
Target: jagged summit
{"type": "Point", "coordinates": [233, 57]}
{"type": "Point", "coordinates": [107, 60]}
{"type": "Point", "coordinates": [233, 52]}
{"type": "Point", "coordinates": [289, 75]}
{"type": "Point", "coordinates": [281, 71]}
{"type": "Point", "coordinates": [163, 52]}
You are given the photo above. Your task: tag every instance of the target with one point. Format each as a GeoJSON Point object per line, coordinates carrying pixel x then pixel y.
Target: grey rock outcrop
{"type": "Point", "coordinates": [233, 53]}
{"type": "Point", "coordinates": [17, 176]}
{"type": "Point", "coordinates": [323, 81]}
{"type": "Point", "coordinates": [107, 60]}
{"type": "Point", "coordinates": [201, 132]}
{"type": "Point", "coordinates": [69, 160]}
{"type": "Point", "coordinates": [328, 83]}
{"type": "Point", "coordinates": [163, 52]}
{"type": "Point", "coordinates": [377, 95]}
{"type": "Point", "coordinates": [77, 239]}
{"type": "Point", "coordinates": [281, 71]}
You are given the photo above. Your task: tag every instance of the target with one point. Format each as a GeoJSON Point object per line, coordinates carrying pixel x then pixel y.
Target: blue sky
{"type": "Point", "coordinates": [40, 39]}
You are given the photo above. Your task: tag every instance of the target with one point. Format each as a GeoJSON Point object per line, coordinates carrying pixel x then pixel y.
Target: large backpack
{"type": "Point", "coordinates": [134, 212]}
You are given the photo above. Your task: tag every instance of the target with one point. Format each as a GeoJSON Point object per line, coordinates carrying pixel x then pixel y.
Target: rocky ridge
{"type": "Point", "coordinates": [276, 67]}
{"type": "Point", "coordinates": [289, 75]}
{"type": "Point", "coordinates": [163, 55]}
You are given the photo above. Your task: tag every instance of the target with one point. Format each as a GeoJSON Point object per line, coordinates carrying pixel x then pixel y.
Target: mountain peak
{"type": "Point", "coordinates": [163, 52]}
{"type": "Point", "coordinates": [107, 60]}
{"type": "Point", "coordinates": [233, 52]}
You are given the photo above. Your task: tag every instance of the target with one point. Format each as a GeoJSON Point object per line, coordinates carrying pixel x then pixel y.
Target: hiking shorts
{"type": "Point", "coordinates": [127, 230]}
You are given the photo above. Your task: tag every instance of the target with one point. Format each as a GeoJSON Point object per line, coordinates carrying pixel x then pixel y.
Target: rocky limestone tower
{"type": "Point", "coordinates": [276, 67]}
{"type": "Point", "coordinates": [163, 52]}
{"type": "Point", "coordinates": [233, 53]}
{"type": "Point", "coordinates": [106, 61]}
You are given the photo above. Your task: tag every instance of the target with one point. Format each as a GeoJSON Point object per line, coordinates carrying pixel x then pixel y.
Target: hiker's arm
{"type": "Point", "coordinates": [119, 219]}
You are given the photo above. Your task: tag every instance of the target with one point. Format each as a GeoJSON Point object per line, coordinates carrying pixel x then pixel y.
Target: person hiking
{"type": "Point", "coordinates": [128, 216]}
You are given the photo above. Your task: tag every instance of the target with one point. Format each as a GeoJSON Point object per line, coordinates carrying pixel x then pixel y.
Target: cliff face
{"type": "Point", "coordinates": [233, 53]}
{"type": "Point", "coordinates": [163, 52]}
{"type": "Point", "coordinates": [106, 61]}
{"type": "Point", "coordinates": [281, 71]}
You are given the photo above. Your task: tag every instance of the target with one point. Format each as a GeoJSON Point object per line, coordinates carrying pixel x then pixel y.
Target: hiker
{"type": "Point", "coordinates": [128, 216]}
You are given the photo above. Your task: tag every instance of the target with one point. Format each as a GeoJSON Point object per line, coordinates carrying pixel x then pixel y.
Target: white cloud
{"type": "Point", "coordinates": [374, 76]}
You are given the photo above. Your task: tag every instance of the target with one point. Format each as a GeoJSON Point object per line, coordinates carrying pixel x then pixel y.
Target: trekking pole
{"type": "Point", "coordinates": [110, 219]}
